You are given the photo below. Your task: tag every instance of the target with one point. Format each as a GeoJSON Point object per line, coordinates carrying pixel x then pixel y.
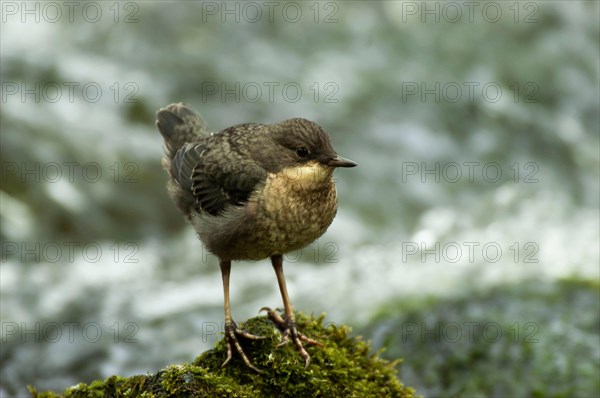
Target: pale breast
{"type": "Point", "coordinates": [297, 212]}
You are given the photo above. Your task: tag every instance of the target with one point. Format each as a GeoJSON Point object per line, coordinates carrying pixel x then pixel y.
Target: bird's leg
{"type": "Point", "coordinates": [287, 325]}
{"type": "Point", "coordinates": [231, 329]}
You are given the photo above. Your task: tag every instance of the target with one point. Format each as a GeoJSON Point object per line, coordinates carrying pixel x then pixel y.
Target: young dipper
{"type": "Point", "coordinates": [252, 191]}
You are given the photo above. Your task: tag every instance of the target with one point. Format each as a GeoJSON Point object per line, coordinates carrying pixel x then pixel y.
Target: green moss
{"type": "Point", "coordinates": [344, 367]}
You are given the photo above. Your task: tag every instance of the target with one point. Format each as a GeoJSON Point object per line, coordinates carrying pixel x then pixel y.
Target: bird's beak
{"type": "Point", "coordinates": [339, 161]}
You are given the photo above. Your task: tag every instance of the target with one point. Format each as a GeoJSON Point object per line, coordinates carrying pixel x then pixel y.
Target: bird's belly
{"type": "Point", "coordinates": [296, 219]}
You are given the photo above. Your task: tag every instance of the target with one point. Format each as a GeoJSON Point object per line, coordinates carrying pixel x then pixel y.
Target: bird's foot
{"type": "Point", "coordinates": [288, 330]}
{"type": "Point", "coordinates": [231, 336]}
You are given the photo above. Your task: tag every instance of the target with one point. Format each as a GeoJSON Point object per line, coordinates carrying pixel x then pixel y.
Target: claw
{"type": "Point", "coordinates": [288, 330]}
{"type": "Point", "coordinates": [231, 333]}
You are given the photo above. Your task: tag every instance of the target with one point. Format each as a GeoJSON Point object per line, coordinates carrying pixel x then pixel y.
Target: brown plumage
{"type": "Point", "coordinates": [252, 191]}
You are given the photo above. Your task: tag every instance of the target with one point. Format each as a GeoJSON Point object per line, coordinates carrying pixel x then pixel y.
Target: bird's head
{"type": "Point", "coordinates": [302, 150]}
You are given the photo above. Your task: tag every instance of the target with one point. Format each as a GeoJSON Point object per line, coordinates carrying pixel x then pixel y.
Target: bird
{"type": "Point", "coordinates": [252, 191]}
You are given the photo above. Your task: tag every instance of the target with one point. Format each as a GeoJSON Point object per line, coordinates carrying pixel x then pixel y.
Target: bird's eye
{"type": "Point", "coordinates": [302, 152]}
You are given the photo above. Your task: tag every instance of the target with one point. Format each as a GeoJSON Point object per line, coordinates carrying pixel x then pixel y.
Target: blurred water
{"type": "Point", "coordinates": [477, 143]}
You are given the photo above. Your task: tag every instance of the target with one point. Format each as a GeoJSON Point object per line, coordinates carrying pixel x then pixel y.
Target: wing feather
{"type": "Point", "coordinates": [216, 178]}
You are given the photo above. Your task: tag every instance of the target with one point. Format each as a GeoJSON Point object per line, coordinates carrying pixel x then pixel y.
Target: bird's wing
{"type": "Point", "coordinates": [215, 178]}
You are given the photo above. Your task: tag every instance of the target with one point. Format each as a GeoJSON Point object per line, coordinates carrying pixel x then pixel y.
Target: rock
{"type": "Point", "coordinates": [344, 367]}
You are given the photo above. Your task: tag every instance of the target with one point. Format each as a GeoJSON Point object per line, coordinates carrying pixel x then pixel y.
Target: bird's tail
{"type": "Point", "coordinates": [179, 124]}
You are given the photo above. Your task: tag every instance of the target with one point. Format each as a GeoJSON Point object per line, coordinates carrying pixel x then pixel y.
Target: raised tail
{"type": "Point", "coordinates": [179, 125]}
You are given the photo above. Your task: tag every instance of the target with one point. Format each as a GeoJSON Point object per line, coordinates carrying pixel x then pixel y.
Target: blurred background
{"type": "Point", "coordinates": [466, 242]}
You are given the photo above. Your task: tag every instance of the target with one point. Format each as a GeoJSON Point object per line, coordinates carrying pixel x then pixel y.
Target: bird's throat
{"type": "Point", "coordinates": [309, 176]}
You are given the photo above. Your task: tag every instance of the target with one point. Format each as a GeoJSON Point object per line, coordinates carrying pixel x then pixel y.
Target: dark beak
{"type": "Point", "coordinates": [339, 161]}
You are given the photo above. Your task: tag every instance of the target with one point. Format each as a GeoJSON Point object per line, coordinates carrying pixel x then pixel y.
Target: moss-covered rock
{"type": "Point", "coordinates": [344, 367]}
